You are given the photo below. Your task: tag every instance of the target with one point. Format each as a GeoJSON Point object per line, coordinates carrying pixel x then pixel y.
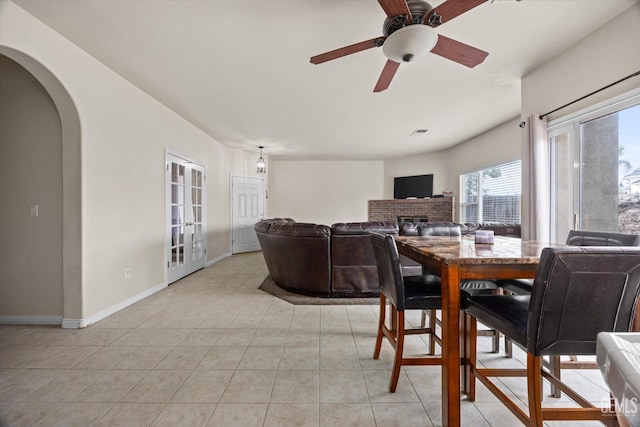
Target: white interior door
{"type": "Point", "coordinates": [247, 200]}
{"type": "Point", "coordinates": [186, 213]}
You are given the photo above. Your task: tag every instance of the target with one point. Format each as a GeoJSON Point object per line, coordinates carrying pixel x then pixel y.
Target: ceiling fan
{"type": "Point", "coordinates": [408, 33]}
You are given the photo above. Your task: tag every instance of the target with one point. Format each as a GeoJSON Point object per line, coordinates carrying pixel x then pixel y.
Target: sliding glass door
{"type": "Point", "coordinates": [564, 178]}
{"type": "Point", "coordinates": [595, 171]}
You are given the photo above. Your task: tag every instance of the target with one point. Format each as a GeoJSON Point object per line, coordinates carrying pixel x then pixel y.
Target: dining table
{"type": "Point", "coordinates": [455, 259]}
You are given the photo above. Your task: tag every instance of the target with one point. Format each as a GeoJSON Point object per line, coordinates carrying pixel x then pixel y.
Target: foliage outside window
{"type": "Point", "coordinates": [491, 194]}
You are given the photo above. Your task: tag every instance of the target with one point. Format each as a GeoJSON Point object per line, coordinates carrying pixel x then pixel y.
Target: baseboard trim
{"type": "Point", "coordinates": [73, 323]}
{"type": "Point", "coordinates": [30, 320]}
{"type": "Point", "coordinates": [90, 320]}
{"type": "Point", "coordinates": [218, 259]}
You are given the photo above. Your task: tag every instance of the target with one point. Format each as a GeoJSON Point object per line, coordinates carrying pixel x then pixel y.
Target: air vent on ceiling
{"type": "Point", "coordinates": [419, 131]}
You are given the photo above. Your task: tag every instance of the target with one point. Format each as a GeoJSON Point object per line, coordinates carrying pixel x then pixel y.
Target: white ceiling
{"type": "Point", "coordinates": [240, 71]}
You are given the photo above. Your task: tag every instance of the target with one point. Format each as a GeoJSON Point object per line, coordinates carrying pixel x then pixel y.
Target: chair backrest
{"type": "Point", "coordinates": [579, 292]}
{"type": "Point", "coordinates": [389, 272]}
{"type": "Point", "coordinates": [601, 238]}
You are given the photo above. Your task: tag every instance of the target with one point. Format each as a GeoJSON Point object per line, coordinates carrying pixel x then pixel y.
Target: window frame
{"type": "Point", "coordinates": [571, 125]}
{"type": "Point", "coordinates": [479, 203]}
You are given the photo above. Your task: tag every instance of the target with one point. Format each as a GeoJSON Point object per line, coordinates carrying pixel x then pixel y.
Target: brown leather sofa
{"type": "Point", "coordinates": [424, 228]}
{"type": "Point", "coordinates": [319, 260]}
{"type": "Point", "coordinates": [499, 228]}
{"type": "Point", "coordinates": [338, 260]}
{"type": "Point", "coordinates": [298, 255]}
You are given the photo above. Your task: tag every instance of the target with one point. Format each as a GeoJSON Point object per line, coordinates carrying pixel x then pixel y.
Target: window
{"type": "Point", "coordinates": [491, 194]}
{"type": "Point", "coordinates": [595, 169]}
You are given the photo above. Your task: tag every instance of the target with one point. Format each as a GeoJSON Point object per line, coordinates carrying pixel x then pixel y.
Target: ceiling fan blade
{"type": "Point", "coordinates": [386, 76]}
{"type": "Point", "coordinates": [395, 7]}
{"type": "Point", "coordinates": [449, 10]}
{"type": "Point", "coordinates": [459, 52]}
{"type": "Point", "coordinates": [347, 50]}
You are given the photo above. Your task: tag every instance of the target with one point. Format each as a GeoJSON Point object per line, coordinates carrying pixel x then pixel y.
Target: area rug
{"type": "Point", "coordinates": [270, 287]}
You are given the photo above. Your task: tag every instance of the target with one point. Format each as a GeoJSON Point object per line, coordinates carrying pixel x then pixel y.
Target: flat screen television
{"type": "Point", "coordinates": [413, 186]}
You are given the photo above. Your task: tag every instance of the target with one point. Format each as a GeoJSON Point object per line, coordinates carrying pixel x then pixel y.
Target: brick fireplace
{"type": "Point", "coordinates": [441, 209]}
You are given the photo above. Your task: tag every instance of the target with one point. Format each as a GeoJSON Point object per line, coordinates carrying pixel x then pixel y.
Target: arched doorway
{"type": "Point", "coordinates": [70, 224]}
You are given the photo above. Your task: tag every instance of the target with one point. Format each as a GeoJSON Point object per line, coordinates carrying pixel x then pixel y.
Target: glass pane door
{"type": "Point", "coordinates": [178, 222]}
{"type": "Point", "coordinates": [564, 191]}
{"type": "Point", "coordinates": [197, 225]}
{"type": "Point", "coordinates": [629, 170]}
{"type": "Point", "coordinates": [595, 168]}
{"type": "Point", "coordinates": [186, 213]}
{"type": "Point", "coordinates": [599, 174]}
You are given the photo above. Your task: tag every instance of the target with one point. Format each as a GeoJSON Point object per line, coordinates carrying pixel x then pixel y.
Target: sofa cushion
{"type": "Point", "coordinates": [426, 228]}
{"type": "Point", "coordinates": [342, 228]}
{"type": "Point", "coordinates": [501, 228]}
{"type": "Point", "coordinates": [297, 255]}
{"type": "Point", "coordinates": [264, 225]}
{"type": "Point", "coordinates": [450, 229]}
{"type": "Point", "coordinates": [299, 229]}
{"type": "Point", "coordinates": [353, 264]}
{"type": "Point", "coordinates": [409, 228]}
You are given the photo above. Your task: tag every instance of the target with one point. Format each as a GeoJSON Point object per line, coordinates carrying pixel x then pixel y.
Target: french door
{"type": "Point", "coordinates": [185, 212]}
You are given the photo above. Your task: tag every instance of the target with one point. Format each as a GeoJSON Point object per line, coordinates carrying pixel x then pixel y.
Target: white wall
{"type": "Point", "coordinates": [324, 192]}
{"type": "Point", "coordinates": [434, 163]}
{"type": "Point", "coordinates": [608, 54]}
{"type": "Point", "coordinates": [498, 145]}
{"type": "Point", "coordinates": [328, 192]}
{"type": "Point", "coordinates": [604, 56]}
{"type": "Point", "coordinates": [124, 134]}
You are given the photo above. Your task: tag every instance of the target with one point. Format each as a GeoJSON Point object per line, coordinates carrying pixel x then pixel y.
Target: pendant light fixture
{"type": "Point", "coordinates": [262, 165]}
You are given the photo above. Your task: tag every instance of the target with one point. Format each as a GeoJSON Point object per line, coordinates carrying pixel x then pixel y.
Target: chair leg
{"type": "Point", "coordinates": [394, 320]}
{"type": "Point", "coordinates": [432, 326]}
{"type": "Point", "coordinates": [554, 368]}
{"type": "Point", "coordinates": [471, 326]}
{"type": "Point", "coordinates": [381, 320]}
{"type": "Point", "coordinates": [495, 340]}
{"type": "Point", "coordinates": [397, 363]}
{"type": "Point", "coordinates": [508, 347]}
{"type": "Point", "coordinates": [534, 386]}
{"type": "Point", "coordinates": [423, 318]}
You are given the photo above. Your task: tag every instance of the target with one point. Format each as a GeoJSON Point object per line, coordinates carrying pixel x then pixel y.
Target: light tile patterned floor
{"type": "Point", "coordinates": [213, 350]}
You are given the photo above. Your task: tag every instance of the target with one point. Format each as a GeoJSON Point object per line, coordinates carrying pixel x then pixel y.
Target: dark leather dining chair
{"type": "Point", "coordinates": [577, 293]}
{"type": "Point", "coordinates": [472, 287]}
{"type": "Point", "coordinates": [403, 293]}
{"type": "Point", "coordinates": [523, 287]}
{"type": "Point", "coordinates": [576, 238]}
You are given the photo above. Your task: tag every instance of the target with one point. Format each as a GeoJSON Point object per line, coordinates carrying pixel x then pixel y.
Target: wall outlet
{"type": "Point", "coordinates": [127, 273]}
{"type": "Point", "coordinates": [34, 210]}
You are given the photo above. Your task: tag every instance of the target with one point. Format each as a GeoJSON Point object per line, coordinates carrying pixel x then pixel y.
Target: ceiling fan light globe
{"type": "Point", "coordinates": [410, 43]}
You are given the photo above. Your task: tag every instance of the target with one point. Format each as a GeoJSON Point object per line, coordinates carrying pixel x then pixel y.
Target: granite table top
{"type": "Point", "coordinates": [464, 250]}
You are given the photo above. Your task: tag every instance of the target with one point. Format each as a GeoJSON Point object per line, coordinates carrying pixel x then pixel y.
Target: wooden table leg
{"type": "Point", "coordinates": [450, 346]}
{"type": "Point", "coordinates": [465, 345]}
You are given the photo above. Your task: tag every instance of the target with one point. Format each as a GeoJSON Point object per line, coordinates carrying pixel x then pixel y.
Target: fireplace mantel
{"type": "Point", "coordinates": [439, 209]}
